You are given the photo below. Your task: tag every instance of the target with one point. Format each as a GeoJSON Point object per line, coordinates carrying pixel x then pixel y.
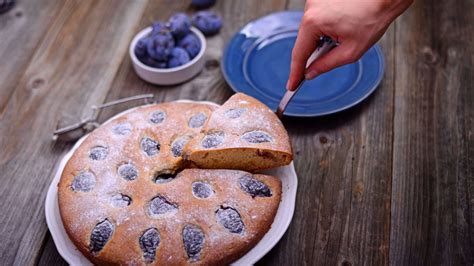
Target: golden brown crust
{"type": "Point", "coordinates": [81, 211]}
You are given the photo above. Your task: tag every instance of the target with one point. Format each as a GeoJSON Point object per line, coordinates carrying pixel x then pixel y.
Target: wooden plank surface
{"type": "Point", "coordinates": [387, 182]}
{"type": "Point", "coordinates": [50, 255]}
{"type": "Point", "coordinates": [71, 68]}
{"type": "Point", "coordinates": [21, 29]}
{"type": "Point", "coordinates": [433, 158]}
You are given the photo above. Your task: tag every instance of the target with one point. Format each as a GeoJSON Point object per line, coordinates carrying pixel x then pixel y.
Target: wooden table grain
{"type": "Point", "coordinates": [390, 181]}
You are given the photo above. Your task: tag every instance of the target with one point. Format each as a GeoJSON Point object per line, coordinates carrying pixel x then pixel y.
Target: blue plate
{"type": "Point", "coordinates": [257, 62]}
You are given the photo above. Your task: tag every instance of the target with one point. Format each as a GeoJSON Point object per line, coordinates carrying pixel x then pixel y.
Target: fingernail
{"type": "Point", "coordinates": [311, 74]}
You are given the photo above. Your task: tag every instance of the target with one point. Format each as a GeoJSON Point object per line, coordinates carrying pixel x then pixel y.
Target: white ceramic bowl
{"type": "Point", "coordinates": [168, 76]}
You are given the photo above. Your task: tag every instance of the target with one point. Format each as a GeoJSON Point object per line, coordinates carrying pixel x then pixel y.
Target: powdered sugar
{"type": "Point", "coordinates": [110, 198]}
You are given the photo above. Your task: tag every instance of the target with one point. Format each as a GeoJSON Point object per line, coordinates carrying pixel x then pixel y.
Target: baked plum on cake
{"type": "Point", "coordinates": [241, 134]}
{"type": "Point", "coordinates": [125, 196]}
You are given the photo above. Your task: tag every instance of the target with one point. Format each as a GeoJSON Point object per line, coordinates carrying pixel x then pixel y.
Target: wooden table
{"type": "Point", "coordinates": [387, 182]}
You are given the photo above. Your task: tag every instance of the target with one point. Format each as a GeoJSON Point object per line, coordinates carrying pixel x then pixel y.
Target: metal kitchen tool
{"type": "Point", "coordinates": [325, 45]}
{"type": "Point", "coordinates": [77, 130]}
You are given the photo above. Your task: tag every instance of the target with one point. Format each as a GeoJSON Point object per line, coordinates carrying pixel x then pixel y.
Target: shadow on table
{"type": "Point", "coordinates": [313, 125]}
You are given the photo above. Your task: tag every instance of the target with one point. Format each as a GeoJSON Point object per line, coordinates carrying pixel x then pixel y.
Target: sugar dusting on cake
{"type": "Point", "coordinates": [89, 208]}
{"type": "Point", "coordinates": [254, 117]}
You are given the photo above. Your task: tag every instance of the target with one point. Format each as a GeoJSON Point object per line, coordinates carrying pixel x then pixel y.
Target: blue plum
{"type": "Point", "coordinates": [178, 57]}
{"type": "Point", "coordinates": [191, 44]}
{"type": "Point", "coordinates": [208, 22]}
{"type": "Point", "coordinates": [141, 47]}
{"type": "Point", "coordinates": [160, 46]}
{"type": "Point", "coordinates": [179, 25]}
{"type": "Point", "coordinates": [202, 3]}
{"type": "Point", "coordinates": [157, 27]}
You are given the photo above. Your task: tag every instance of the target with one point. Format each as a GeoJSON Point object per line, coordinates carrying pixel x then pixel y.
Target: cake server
{"type": "Point", "coordinates": [325, 45]}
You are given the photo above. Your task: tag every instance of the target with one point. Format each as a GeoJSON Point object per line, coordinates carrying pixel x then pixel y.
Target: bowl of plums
{"type": "Point", "coordinates": [172, 52]}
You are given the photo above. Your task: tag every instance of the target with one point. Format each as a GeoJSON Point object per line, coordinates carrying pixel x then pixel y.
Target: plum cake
{"type": "Point", "coordinates": [132, 193]}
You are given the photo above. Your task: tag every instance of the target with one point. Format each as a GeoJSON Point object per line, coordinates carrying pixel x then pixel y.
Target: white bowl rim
{"type": "Point", "coordinates": [147, 31]}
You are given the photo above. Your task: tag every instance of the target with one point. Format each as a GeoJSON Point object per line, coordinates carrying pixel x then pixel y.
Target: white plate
{"type": "Point", "coordinates": [282, 220]}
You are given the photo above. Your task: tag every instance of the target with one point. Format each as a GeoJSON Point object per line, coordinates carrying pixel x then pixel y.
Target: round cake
{"type": "Point", "coordinates": [130, 194]}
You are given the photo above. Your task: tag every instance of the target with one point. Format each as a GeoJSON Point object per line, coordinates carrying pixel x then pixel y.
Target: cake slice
{"type": "Point", "coordinates": [242, 134]}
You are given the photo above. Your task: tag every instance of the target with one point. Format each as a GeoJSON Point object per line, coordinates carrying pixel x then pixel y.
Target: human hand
{"type": "Point", "coordinates": [355, 24]}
